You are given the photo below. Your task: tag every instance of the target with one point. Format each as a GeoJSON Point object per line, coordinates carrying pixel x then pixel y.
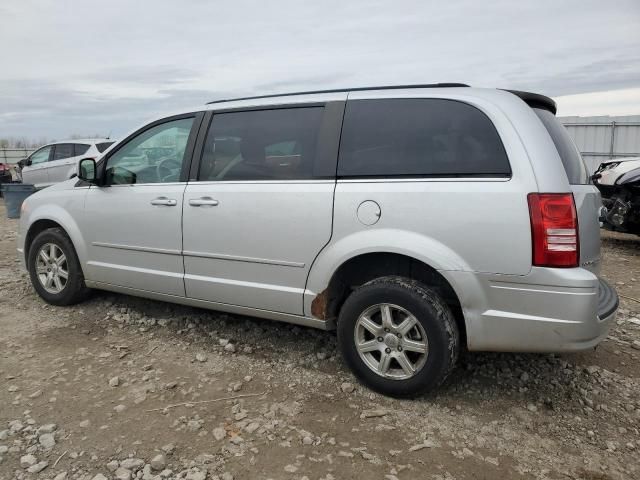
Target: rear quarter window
{"type": "Point", "coordinates": [103, 146]}
{"type": "Point", "coordinates": [571, 159]}
{"type": "Point", "coordinates": [419, 138]}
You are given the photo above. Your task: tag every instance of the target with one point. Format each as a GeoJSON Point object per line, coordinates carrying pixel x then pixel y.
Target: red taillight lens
{"type": "Point", "coordinates": [554, 230]}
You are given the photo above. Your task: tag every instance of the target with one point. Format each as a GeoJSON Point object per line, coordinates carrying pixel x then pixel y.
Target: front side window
{"type": "Point", "coordinates": [277, 144]}
{"type": "Point", "coordinates": [40, 156]}
{"type": "Point", "coordinates": [62, 151]}
{"type": "Point", "coordinates": [154, 156]}
{"type": "Point", "coordinates": [419, 137]}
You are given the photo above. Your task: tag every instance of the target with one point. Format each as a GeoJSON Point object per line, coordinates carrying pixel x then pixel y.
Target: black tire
{"type": "Point", "coordinates": [432, 313]}
{"type": "Point", "coordinates": [74, 290]}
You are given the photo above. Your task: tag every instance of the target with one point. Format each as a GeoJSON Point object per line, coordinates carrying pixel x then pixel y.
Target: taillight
{"type": "Point", "coordinates": [554, 230]}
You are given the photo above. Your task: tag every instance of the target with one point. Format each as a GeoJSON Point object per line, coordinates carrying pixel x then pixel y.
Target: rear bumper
{"type": "Point", "coordinates": [549, 310]}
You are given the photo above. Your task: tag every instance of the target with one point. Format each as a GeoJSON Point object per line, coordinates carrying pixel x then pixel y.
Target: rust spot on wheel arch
{"type": "Point", "coordinates": [319, 305]}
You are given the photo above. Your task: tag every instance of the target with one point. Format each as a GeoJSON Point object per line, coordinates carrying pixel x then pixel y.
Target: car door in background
{"type": "Point", "coordinates": [260, 208]}
{"type": "Point", "coordinates": [36, 172]}
{"type": "Point", "coordinates": [134, 221]}
{"type": "Point", "coordinates": [63, 163]}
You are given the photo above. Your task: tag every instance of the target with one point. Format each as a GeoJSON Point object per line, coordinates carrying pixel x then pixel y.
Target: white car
{"type": "Point", "coordinates": [57, 162]}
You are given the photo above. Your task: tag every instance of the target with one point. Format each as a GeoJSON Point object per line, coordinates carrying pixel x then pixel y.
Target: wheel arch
{"type": "Point", "coordinates": [54, 217]}
{"type": "Point", "coordinates": [360, 268]}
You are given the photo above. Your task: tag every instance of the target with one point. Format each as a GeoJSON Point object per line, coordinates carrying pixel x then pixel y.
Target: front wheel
{"type": "Point", "coordinates": [398, 336]}
{"type": "Point", "coordinates": [54, 268]}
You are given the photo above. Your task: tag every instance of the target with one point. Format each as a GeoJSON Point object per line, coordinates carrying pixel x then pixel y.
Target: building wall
{"type": "Point", "coordinates": [604, 137]}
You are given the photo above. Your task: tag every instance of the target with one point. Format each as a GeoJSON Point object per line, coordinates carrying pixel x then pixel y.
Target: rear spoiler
{"type": "Point", "coordinates": [535, 100]}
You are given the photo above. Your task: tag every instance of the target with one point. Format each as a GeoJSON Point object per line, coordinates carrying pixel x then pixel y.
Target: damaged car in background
{"type": "Point", "coordinates": [619, 183]}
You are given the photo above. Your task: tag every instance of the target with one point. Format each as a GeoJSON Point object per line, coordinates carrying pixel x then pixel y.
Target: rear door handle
{"type": "Point", "coordinates": [203, 202]}
{"type": "Point", "coordinates": [167, 202]}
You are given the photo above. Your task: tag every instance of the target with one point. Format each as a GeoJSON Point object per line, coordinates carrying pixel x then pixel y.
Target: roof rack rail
{"type": "Point", "coordinates": [336, 90]}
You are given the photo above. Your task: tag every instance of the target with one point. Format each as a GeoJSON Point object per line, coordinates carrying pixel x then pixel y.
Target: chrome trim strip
{"type": "Point", "coordinates": [244, 284]}
{"type": "Point", "coordinates": [425, 180]}
{"type": "Point", "coordinates": [225, 307]}
{"type": "Point", "coordinates": [149, 271]}
{"type": "Point", "coordinates": [524, 289]}
{"type": "Point", "coordinates": [135, 248]}
{"type": "Point", "coordinates": [236, 258]}
{"type": "Point", "coordinates": [327, 181]}
{"type": "Point", "coordinates": [522, 316]}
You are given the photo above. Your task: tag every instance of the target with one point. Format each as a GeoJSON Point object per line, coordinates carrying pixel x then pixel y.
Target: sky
{"type": "Point", "coordinates": [89, 67]}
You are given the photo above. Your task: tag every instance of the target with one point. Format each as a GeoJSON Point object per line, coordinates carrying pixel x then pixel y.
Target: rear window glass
{"type": "Point", "coordinates": [419, 137]}
{"type": "Point", "coordinates": [103, 146]}
{"type": "Point", "coordinates": [62, 151]}
{"type": "Point", "coordinates": [569, 154]}
{"type": "Point", "coordinates": [80, 149]}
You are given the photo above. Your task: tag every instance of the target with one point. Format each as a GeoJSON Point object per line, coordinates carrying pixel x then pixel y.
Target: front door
{"type": "Point", "coordinates": [260, 208]}
{"type": "Point", "coordinates": [133, 221]}
{"type": "Point", "coordinates": [36, 172]}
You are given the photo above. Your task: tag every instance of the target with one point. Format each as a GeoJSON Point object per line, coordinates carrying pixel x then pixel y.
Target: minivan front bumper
{"type": "Point", "coordinates": [549, 310]}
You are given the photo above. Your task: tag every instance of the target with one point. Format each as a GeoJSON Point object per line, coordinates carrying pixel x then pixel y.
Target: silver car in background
{"type": "Point", "coordinates": [417, 221]}
{"type": "Point", "coordinates": [58, 161]}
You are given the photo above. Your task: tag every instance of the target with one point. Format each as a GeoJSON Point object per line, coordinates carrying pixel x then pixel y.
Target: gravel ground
{"type": "Point", "coordinates": [126, 388]}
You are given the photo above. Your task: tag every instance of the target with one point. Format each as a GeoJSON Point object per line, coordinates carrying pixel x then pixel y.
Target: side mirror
{"type": "Point", "coordinates": [87, 170]}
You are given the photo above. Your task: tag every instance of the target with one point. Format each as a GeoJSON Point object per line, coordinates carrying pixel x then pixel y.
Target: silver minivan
{"type": "Point", "coordinates": [416, 221]}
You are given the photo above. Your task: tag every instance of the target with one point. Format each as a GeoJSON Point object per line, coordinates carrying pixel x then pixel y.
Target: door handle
{"type": "Point", "coordinates": [167, 202]}
{"type": "Point", "coordinates": [203, 202]}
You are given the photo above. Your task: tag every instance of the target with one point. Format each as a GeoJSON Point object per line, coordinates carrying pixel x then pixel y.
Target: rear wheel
{"type": "Point", "coordinates": [54, 268]}
{"type": "Point", "coordinates": [398, 336]}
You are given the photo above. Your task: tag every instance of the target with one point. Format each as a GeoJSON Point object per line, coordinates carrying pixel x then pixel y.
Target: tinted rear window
{"type": "Point", "coordinates": [103, 146]}
{"type": "Point", "coordinates": [80, 149]}
{"type": "Point", "coordinates": [261, 145]}
{"type": "Point", "coordinates": [419, 137]}
{"type": "Point", "coordinates": [569, 154]}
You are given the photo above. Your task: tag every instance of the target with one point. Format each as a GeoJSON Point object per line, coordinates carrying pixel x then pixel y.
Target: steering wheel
{"type": "Point", "coordinates": [166, 167]}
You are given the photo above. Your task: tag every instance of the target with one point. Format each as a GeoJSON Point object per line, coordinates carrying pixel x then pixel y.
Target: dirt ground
{"type": "Point", "coordinates": [126, 388]}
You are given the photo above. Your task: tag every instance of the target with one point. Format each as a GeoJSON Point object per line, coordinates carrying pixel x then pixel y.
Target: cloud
{"type": "Point", "coordinates": [111, 65]}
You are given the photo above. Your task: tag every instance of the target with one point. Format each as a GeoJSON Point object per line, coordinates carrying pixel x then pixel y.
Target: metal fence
{"type": "Point", "coordinates": [601, 138]}
{"type": "Point", "coordinates": [14, 155]}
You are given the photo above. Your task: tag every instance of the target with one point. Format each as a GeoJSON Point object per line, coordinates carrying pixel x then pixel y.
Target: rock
{"type": "Point", "coordinates": [3, 449]}
{"type": "Point", "coordinates": [252, 427]}
{"type": "Point", "coordinates": [170, 385]}
{"type": "Point", "coordinates": [159, 462]}
{"type": "Point", "coordinates": [420, 446]}
{"type": "Point", "coordinates": [219, 433]}
{"type": "Point", "coordinates": [61, 476]}
{"type": "Point", "coordinates": [84, 423]}
{"type": "Point", "coordinates": [201, 357]}
{"type": "Point", "coordinates": [132, 463]}
{"type": "Point", "coordinates": [307, 440]}
{"type": "Point", "coordinates": [290, 468]}
{"type": "Point", "coordinates": [374, 413]}
{"type": "Point", "coordinates": [122, 473]}
{"type": "Point", "coordinates": [227, 476]}
{"type": "Point", "coordinates": [99, 476]}
{"type": "Point", "coordinates": [347, 387]}
{"type": "Point", "coordinates": [27, 461]}
{"type": "Point", "coordinates": [524, 377]}
{"type": "Point", "coordinates": [114, 381]}
{"type": "Point", "coordinates": [636, 345]}
{"type": "Point", "coordinates": [36, 394]}
{"type": "Point", "coordinates": [113, 465]}
{"type": "Point", "coordinates": [532, 408]}
{"type": "Point", "coordinates": [38, 467]}
{"type": "Point", "coordinates": [120, 408]}
{"type": "Point", "coordinates": [169, 448]}
{"type": "Point", "coordinates": [230, 347]}
{"type": "Point", "coordinates": [47, 440]}
{"type": "Point", "coordinates": [48, 428]}
{"type": "Point", "coordinates": [237, 440]}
